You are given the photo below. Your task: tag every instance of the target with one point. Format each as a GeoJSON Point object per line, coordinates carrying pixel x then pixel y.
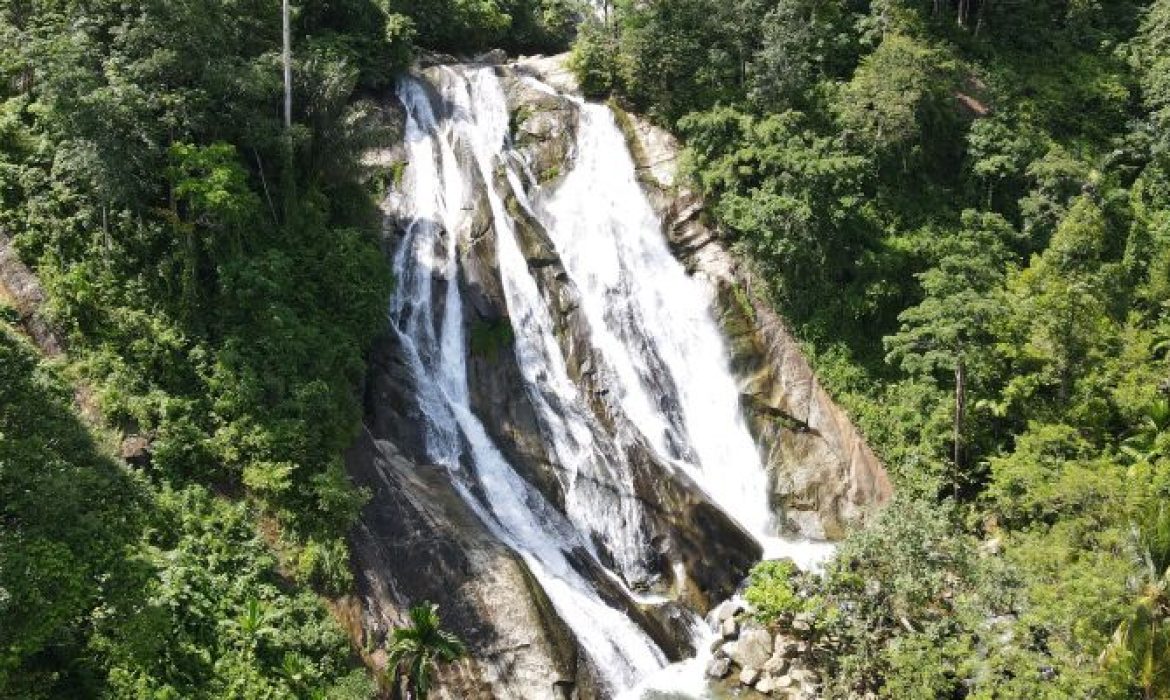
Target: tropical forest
{"type": "Point", "coordinates": [585, 349]}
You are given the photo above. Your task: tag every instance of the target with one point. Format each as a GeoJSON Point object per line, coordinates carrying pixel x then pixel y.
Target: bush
{"type": "Point", "coordinates": [771, 592]}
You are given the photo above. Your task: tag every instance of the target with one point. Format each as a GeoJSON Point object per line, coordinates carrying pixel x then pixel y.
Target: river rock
{"type": "Point", "coordinates": [753, 648]}
{"type": "Point", "coordinates": [727, 610]}
{"type": "Point", "coordinates": [766, 685]}
{"type": "Point", "coordinates": [719, 668]}
{"type": "Point", "coordinates": [748, 676]}
{"type": "Point", "coordinates": [776, 665]}
{"type": "Point", "coordinates": [727, 649]}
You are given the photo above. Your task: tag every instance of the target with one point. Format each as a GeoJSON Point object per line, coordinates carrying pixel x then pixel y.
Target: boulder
{"type": "Point", "coordinates": [783, 682]}
{"type": "Point", "coordinates": [802, 625]}
{"type": "Point", "coordinates": [728, 610]}
{"type": "Point", "coordinates": [748, 676]}
{"type": "Point", "coordinates": [21, 289]}
{"type": "Point", "coordinates": [806, 679]}
{"type": "Point", "coordinates": [135, 451]}
{"type": "Point", "coordinates": [727, 649]}
{"type": "Point", "coordinates": [766, 685]}
{"type": "Point", "coordinates": [753, 648]}
{"type": "Point", "coordinates": [787, 648]}
{"type": "Point", "coordinates": [776, 665]}
{"type": "Point", "coordinates": [719, 668]}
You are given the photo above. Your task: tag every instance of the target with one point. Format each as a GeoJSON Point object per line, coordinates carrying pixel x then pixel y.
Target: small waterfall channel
{"type": "Point", "coordinates": [655, 354]}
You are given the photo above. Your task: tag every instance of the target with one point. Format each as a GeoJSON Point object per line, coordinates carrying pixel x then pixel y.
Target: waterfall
{"type": "Point", "coordinates": [651, 336]}
{"type": "Point", "coordinates": [439, 205]}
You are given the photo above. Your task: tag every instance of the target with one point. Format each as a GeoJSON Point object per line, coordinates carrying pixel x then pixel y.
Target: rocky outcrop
{"type": "Point", "coordinates": [21, 290]}
{"type": "Point", "coordinates": [418, 540]}
{"type": "Point", "coordinates": [777, 661]}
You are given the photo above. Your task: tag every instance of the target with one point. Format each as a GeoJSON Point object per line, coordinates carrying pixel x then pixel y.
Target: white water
{"type": "Point", "coordinates": [658, 348]}
{"type": "Point", "coordinates": [440, 209]}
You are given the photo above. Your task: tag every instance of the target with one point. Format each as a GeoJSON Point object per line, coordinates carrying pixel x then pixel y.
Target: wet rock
{"type": "Point", "coordinates": [719, 668]}
{"type": "Point", "coordinates": [494, 57]}
{"type": "Point", "coordinates": [727, 650]}
{"type": "Point", "coordinates": [748, 676]}
{"type": "Point", "coordinates": [729, 629]}
{"type": "Point", "coordinates": [753, 648]}
{"type": "Point", "coordinates": [728, 610]}
{"type": "Point", "coordinates": [417, 540]}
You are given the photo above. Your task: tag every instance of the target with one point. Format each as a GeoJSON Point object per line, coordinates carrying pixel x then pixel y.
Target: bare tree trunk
{"type": "Point", "coordinates": [264, 182]}
{"type": "Point", "coordinates": [106, 232]}
{"type": "Point", "coordinates": [287, 58]}
{"type": "Point", "coordinates": [960, 416]}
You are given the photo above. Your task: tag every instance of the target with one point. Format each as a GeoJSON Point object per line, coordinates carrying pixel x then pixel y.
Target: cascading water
{"type": "Point", "coordinates": [439, 205]}
{"type": "Point", "coordinates": [650, 328]}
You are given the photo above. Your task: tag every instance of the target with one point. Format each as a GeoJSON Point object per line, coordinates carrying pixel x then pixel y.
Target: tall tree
{"type": "Point", "coordinates": [950, 330]}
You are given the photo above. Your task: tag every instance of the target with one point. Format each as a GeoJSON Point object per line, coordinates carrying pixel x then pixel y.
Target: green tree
{"type": "Point", "coordinates": [951, 329]}
{"type": "Point", "coordinates": [899, 93]}
{"type": "Point", "coordinates": [1149, 441]}
{"type": "Point", "coordinates": [415, 650]}
{"type": "Point", "coordinates": [801, 42]}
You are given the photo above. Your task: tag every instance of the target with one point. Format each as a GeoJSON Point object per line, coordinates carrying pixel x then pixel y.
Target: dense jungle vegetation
{"type": "Point", "coordinates": [217, 277]}
{"type": "Point", "coordinates": [963, 206]}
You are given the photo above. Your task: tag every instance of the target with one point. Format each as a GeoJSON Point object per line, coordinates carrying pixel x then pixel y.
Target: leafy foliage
{"type": "Point", "coordinates": [415, 650]}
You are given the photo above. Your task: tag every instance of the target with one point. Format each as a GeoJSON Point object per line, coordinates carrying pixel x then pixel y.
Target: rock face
{"type": "Point", "coordinates": [416, 540]}
{"type": "Point", "coordinates": [20, 289]}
